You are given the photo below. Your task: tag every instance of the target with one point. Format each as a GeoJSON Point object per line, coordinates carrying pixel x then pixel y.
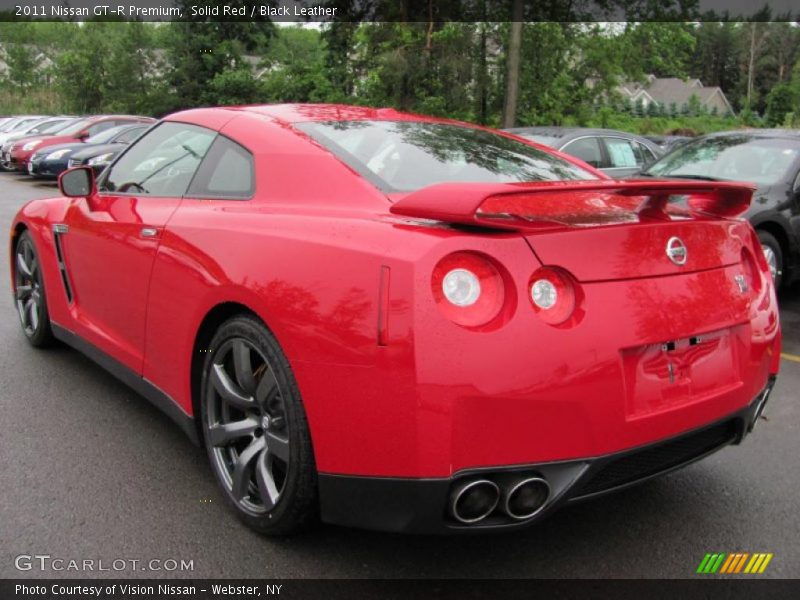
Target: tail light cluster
{"type": "Point", "coordinates": [752, 270]}
{"type": "Point", "coordinates": [468, 289]}
{"type": "Point", "coordinates": [758, 256]}
{"type": "Point", "coordinates": [756, 271]}
{"type": "Point", "coordinates": [552, 292]}
{"type": "Point", "coordinates": [473, 291]}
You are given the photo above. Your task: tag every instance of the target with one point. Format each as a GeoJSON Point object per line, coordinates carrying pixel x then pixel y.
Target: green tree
{"type": "Point", "coordinates": [661, 48]}
{"type": "Point", "coordinates": [200, 49]}
{"type": "Point", "coordinates": [134, 72]}
{"type": "Point", "coordinates": [781, 101]}
{"type": "Point", "coordinates": [718, 55]}
{"type": "Point", "coordinates": [233, 87]}
{"type": "Point", "coordinates": [693, 106]}
{"type": "Point", "coordinates": [81, 71]}
{"type": "Point", "coordinates": [23, 62]}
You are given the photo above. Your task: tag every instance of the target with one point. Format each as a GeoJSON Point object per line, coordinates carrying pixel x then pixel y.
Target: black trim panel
{"type": "Point", "coordinates": [129, 377]}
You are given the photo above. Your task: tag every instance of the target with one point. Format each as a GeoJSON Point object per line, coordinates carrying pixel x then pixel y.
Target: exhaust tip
{"type": "Point", "coordinates": [526, 498]}
{"type": "Point", "coordinates": [474, 501]}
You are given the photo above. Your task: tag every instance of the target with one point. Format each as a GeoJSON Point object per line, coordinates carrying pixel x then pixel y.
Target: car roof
{"type": "Point", "coordinates": [298, 113]}
{"type": "Point", "coordinates": [559, 132]}
{"type": "Point", "coordinates": [99, 117]}
{"type": "Point", "coordinates": [762, 133]}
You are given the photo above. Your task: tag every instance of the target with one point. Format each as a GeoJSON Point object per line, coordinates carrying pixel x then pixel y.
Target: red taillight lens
{"type": "Point", "coordinates": [758, 255]}
{"type": "Point", "coordinates": [552, 293]}
{"type": "Point", "coordinates": [468, 289]}
{"type": "Point", "coordinates": [751, 269]}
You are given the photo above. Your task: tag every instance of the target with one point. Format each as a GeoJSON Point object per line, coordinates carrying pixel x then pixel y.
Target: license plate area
{"type": "Point", "coordinates": [674, 373]}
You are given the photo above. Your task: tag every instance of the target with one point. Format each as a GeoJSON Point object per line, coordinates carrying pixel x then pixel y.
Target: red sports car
{"type": "Point", "coordinates": [405, 323]}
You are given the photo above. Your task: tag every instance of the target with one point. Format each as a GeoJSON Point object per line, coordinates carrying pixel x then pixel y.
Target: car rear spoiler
{"type": "Point", "coordinates": [550, 204]}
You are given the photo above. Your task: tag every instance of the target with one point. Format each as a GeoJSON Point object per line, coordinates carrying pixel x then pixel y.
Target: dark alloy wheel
{"type": "Point", "coordinates": [29, 293]}
{"type": "Point", "coordinates": [255, 429]}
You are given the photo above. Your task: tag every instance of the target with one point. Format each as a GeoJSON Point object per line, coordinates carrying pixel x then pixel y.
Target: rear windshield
{"type": "Point", "coordinates": [104, 136]}
{"type": "Point", "coordinates": [403, 156]}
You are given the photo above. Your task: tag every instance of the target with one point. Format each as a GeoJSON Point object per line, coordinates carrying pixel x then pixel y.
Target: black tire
{"type": "Point", "coordinates": [769, 242]}
{"type": "Point", "coordinates": [255, 430]}
{"type": "Point", "coordinates": [29, 293]}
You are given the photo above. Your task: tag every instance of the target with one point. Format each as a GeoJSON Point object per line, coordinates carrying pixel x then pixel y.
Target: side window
{"type": "Point", "coordinates": [647, 154]}
{"type": "Point", "coordinates": [126, 137]}
{"type": "Point", "coordinates": [621, 153]}
{"type": "Point", "coordinates": [101, 126]}
{"type": "Point", "coordinates": [587, 149]}
{"type": "Point", "coordinates": [226, 172]}
{"type": "Point", "coordinates": [161, 163]}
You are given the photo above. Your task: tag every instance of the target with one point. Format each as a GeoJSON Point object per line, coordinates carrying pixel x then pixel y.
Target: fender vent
{"type": "Point", "coordinates": [58, 231]}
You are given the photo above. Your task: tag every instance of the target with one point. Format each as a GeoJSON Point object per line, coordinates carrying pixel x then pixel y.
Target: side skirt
{"type": "Point", "coordinates": [129, 377]}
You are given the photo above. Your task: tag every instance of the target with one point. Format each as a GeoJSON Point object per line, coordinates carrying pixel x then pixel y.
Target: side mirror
{"type": "Point", "coordinates": [83, 135]}
{"type": "Point", "coordinates": [77, 182]}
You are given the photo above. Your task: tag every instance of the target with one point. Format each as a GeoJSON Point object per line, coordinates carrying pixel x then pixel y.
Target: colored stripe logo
{"type": "Point", "coordinates": [734, 563]}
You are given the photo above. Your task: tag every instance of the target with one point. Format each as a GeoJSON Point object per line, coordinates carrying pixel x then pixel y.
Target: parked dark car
{"type": "Point", "coordinates": [616, 153]}
{"type": "Point", "coordinates": [97, 151]}
{"type": "Point", "coordinates": [768, 158]}
{"type": "Point", "coordinates": [668, 142]}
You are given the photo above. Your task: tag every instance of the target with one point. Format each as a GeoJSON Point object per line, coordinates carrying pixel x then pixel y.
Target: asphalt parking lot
{"type": "Point", "coordinates": [90, 470]}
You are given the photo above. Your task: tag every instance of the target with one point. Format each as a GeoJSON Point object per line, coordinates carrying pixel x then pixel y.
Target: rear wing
{"type": "Point", "coordinates": [575, 203]}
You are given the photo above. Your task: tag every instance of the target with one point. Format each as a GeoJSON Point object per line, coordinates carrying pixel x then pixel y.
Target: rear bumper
{"type": "Point", "coordinates": [422, 505]}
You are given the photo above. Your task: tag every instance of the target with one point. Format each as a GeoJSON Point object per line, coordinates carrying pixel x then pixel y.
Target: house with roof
{"type": "Point", "coordinates": [43, 63]}
{"type": "Point", "coordinates": [669, 91]}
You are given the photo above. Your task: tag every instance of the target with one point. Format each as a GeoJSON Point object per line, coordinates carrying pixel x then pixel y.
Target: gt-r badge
{"type": "Point", "coordinates": [676, 251]}
{"type": "Point", "coordinates": [741, 282]}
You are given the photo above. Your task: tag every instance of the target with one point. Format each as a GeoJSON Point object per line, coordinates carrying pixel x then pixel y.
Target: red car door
{"type": "Point", "coordinates": [110, 239]}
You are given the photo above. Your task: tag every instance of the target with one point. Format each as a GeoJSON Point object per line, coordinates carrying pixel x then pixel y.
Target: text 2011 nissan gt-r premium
{"type": "Point", "coordinates": [403, 323]}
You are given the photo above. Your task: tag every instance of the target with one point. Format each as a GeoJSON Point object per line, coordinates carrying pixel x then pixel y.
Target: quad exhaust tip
{"type": "Point", "coordinates": [474, 501]}
{"type": "Point", "coordinates": [526, 498]}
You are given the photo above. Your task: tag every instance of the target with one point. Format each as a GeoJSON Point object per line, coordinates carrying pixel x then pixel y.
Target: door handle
{"type": "Point", "coordinates": [148, 232]}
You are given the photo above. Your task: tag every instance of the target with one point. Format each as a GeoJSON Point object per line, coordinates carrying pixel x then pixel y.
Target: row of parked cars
{"type": "Point", "coordinates": [44, 146]}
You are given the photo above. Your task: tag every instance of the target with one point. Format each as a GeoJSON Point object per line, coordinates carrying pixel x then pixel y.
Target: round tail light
{"type": "Point", "coordinates": [552, 294]}
{"type": "Point", "coordinates": [468, 289]}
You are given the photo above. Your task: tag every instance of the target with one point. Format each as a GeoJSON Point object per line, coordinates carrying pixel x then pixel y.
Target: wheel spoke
{"type": "Point", "coordinates": [244, 465]}
{"type": "Point", "coordinates": [266, 482]}
{"type": "Point", "coordinates": [267, 387]}
{"type": "Point", "coordinates": [277, 445]}
{"type": "Point", "coordinates": [228, 390]}
{"type": "Point", "coordinates": [25, 312]}
{"type": "Point", "coordinates": [22, 265]}
{"type": "Point", "coordinates": [223, 434]}
{"type": "Point", "coordinates": [243, 367]}
{"type": "Point", "coordinates": [34, 312]}
{"type": "Point", "coordinates": [23, 291]}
